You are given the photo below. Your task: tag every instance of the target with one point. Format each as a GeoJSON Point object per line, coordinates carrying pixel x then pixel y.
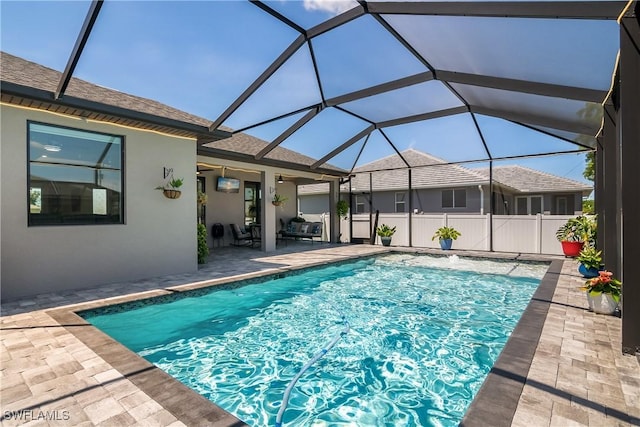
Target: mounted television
{"type": "Point", "coordinates": [228, 185]}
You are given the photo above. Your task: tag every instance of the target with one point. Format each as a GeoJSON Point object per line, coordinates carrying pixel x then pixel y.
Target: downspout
{"type": "Point", "coordinates": [410, 210]}
{"type": "Point", "coordinates": [481, 199]}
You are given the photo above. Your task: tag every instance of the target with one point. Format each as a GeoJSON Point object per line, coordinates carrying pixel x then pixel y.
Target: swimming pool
{"type": "Point", "coordinates": [421, 340]}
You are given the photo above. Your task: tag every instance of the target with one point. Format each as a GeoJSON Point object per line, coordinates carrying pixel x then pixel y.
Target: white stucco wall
{"type": "Point", "coordinates": [158, 237]}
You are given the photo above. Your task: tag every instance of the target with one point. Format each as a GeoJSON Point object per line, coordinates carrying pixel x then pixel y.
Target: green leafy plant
{"type": "Point", "coordinates": [173, 184]}
{"type": "Point", "coordinates": [385, 231]}
{"type": "Point", "coordinates": [342, 208]}
{"type": "Point", "coordinates": [445, 233]}
{"type": "Point", "coordinates": [34, 197]}
{"type": "Point", "coordinates": [279, 199]}
{"type": "Point", "coordinates": [202, 198]}
{"type": "Point", "coordinates": [582, 228]}
{"type": "Point", "coordinates": [203, 249]}
{"type": "Point", "coordinates": [298, 219]}
{"type": "Point", "coordinates": [605, 283]}
{"type": "Point", "coordinates": [590, 257]}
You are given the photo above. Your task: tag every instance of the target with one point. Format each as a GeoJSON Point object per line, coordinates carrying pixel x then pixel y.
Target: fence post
{"type": "Point", "coordinates": [538, 229]}
{"type": "Point", "coordinates": [487, 232]}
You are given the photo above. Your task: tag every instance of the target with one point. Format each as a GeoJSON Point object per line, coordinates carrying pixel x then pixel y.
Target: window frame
{"type": "Point", "coordinates": [357, 203]}
{"type": "Point", "coordinates": [528, 199]}
{"type": "Point", "coordinates": [402, 202]}
{"type": "Point", "coordinates": [453, 198]}
{"type": "Point", "coordinates": [566, 205]}
{"type": "Point", "coordinates": [122, 210]}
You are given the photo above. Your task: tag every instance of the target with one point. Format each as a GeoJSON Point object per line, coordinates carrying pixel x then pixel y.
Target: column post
{"type": "Point", "coordinates": [629, 128]}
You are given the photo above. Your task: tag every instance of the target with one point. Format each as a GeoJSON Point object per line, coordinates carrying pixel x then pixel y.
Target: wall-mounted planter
{"type": "Point", "coordinates": [171, 194]}
{"type": "Point", "coordinates": [276, 203]}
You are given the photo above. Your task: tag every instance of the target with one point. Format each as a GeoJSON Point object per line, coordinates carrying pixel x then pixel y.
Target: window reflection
{"type": "Point", "coordinates": [75, 176]}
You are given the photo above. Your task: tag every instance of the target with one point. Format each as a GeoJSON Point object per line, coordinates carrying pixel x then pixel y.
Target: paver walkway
{"type": "Point", "coordinates": [50, 377]}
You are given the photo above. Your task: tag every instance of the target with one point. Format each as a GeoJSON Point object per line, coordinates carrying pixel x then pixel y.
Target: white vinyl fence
{"type": "Point", "coordinates": [532, 234]}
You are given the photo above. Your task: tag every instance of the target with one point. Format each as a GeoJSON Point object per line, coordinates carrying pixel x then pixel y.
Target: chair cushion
{"type": "Point", "coordinates": [316, 229]}
{"type": "Point", "coordinates": [304, 228]}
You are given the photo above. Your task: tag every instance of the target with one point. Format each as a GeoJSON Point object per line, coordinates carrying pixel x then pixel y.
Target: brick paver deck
{"type": "Point", "coordinates": [56, 371]}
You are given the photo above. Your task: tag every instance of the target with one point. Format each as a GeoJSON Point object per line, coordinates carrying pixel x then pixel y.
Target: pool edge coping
{"type": "Point", "coordinates": [194, 410]}
{"type": "Point", "coordinates": [496, 402]}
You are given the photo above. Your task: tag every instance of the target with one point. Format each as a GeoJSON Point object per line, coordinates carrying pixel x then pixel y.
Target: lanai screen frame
{"type": "Point", "coordinates": [622, 11]}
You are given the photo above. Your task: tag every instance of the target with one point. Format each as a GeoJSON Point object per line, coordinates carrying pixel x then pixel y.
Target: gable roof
{"type": "Point", "coordinates": [439, 174]}
{"type": "Point", "coordinates": [29, 84]}
{"type": "Point", "coordinates": [527, 180]}
{"type": "Point", "coordinates": [248, 144]}
{"type": "Point", "coordinates": [33, 85]}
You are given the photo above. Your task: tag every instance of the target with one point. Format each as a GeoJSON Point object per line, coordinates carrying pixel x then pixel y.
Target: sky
{"type": "Point", "coordinates": [200, 56]}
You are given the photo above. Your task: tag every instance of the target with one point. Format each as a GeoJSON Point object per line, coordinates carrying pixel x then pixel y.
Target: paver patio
{"type": "Point", "coordinates": [54, 371]}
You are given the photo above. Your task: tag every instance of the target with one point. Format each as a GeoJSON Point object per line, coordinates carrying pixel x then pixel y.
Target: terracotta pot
{"type": "Point", "coordinates": [571, 249]}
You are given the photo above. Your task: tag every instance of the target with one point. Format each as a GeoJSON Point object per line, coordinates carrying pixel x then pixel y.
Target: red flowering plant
{"type": "Point", "coordinates": [605, 283]}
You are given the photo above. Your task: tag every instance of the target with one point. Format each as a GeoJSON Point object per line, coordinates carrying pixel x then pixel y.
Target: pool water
{"type": "Point", "coordinates": [422, 340]}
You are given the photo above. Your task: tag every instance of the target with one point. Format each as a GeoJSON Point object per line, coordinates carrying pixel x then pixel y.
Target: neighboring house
{"type": "Point", "coordinates": [79, 172]}
{"type": "Point", "coordinates": [438, 187]}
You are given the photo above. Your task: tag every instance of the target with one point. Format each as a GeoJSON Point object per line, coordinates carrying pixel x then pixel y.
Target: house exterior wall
{"type": "Point", "coordinates": [424, 200]}
{"type": "Point", "coordinates": [157, 238]}
{"type": "Point", "coordinates": [313, 203]}
{"type": "Point", "coordinates": [430, 201]}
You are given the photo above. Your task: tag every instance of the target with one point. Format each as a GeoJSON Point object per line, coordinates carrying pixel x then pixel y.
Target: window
{"type": "Point", "coordinates": [359, 201]}
{"type": "Point", "coordinates": [74, 176]}
{"type": "Point", "coordinates": [454, 198]}
{"type": "Point", "coordinates": [400, 204]}
{"type": "Point", "coordinates": [562, 207]}
{"type": "Point", "coordinates": [528, 205]}
{"type": "Point", "coordinates": [252, 203]}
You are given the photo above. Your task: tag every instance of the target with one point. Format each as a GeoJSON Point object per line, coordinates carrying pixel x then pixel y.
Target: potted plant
{"type": "Point", "coordinates": [278, 200]}
{"type": "Point", "coordinates": [342, 208]}
{"type": "Point", "coordinates": [446, 236]}
{"type": "Point", "coordinates": [385, 232]}
{"type": "Point", "coordinates": [172, 189]}
{"type": "Point", "coordinates": [202, 198]}
{"type": "Point", "coordinates": [203, 249]}
{"type": "Point", "coordinates": [603, 292]}
{"type": "Point", "coordinates": [590, 261]}
{"type": "Point", "coordinates": [577, 232]}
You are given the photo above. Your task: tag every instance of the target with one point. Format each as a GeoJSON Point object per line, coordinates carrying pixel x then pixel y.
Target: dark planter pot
{"type": "Point", "coordinates": [386, 241]}
{"type": "Point", "coordinates": [571, 249]}
{"type": "Point", "coordinates": [588, 272]}
{"type": "Point", "coordinates": [445, 244]}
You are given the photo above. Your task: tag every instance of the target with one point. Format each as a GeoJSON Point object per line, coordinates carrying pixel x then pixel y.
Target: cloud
{"type": "Point", "coordinates": [332, 6]}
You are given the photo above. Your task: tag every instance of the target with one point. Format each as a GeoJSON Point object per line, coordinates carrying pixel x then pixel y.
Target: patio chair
{"type": "Point", "coordinates": [280, 236]}
{"type": "Point", "coordinates": [241, 237]}
{"type": "Point", "coordinates": [256, 236]}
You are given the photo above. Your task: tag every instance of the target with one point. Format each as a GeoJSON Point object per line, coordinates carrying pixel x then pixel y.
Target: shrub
{"type": "Point", "coordinates": [203, 249]}
{"type": "Point", "coordinates": [444, 233]}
